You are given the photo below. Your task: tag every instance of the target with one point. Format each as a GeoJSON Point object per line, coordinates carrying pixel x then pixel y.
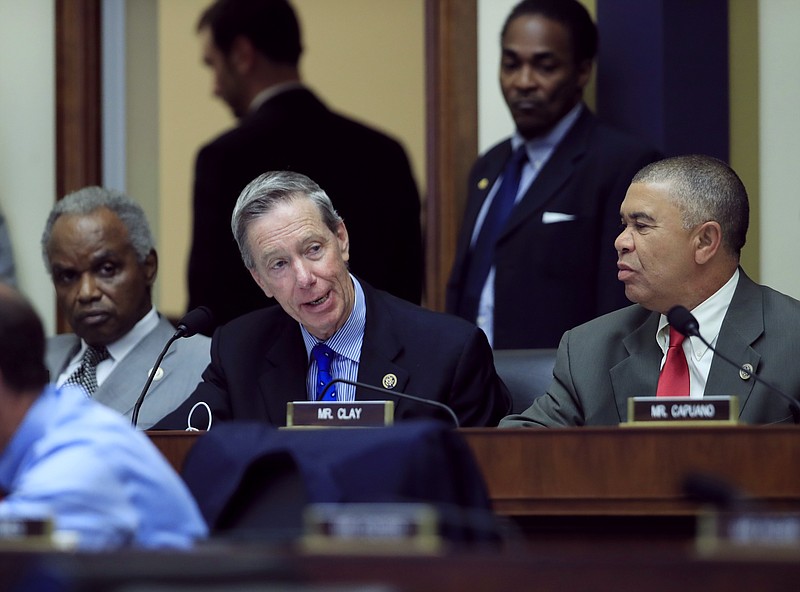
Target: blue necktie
{"type": "Point", "coordinates": [323, 356]}
{"type": "Point", "coordinates": [481, 256]}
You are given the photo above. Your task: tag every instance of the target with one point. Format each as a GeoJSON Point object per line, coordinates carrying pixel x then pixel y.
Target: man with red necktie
{"type": "Point", "coordinates": [684, 223]}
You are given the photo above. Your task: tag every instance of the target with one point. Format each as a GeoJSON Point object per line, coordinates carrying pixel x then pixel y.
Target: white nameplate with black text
{"type": "Point", "coordinates": [371, 528]}
{"type": "Point", "coordinates": [353, 414]}
{"type": "Point", "coordinates": [716, 410]}
{"type": "Point", "coordinates": [748, 530]}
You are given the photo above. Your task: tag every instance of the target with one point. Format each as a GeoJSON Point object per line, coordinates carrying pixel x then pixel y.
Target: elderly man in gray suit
{"type": "Point", "coordinates": [684, 223]}
{"type": "Point", "coordinates": [99, 251]}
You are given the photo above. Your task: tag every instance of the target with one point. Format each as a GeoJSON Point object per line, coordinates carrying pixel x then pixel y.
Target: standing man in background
{"type": "Point", "coordinates": [253, 48]}
{"type": "Point", "coordinates": [534, 256]}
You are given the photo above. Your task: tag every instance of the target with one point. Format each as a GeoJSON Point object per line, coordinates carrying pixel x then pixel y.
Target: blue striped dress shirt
{"type": "Point", "coordinates": [346, 342]}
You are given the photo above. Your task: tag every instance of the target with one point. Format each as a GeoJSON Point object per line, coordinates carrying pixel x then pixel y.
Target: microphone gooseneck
{"type": "Point", "coordinates": [400, 395]}
{"type": "Point", "coordinates": [685, 323]}
{"type": "Point", "coordinates": [195, 321]}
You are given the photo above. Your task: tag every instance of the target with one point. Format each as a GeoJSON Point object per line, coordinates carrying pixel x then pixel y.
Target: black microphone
{"type": "Point", "coordinates": [198, 320]}
{"type": "Point", "coordinates": [685, 323]}
{"type": "Point", "coordinates": [378, 389]}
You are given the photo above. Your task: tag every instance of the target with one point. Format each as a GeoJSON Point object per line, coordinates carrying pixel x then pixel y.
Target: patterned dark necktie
{"type": "Point", "coordinates": [674, 378]}
{"type": "Point", "coordinates": [481, 256]}
{"type": "Point", "coordinates": [323, 356]}
{"type": "Point", "coordinates": [86, 374]}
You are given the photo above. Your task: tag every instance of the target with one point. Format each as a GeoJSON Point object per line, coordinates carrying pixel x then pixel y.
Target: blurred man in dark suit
{"type": "Point", "coordinates": [253, 48]}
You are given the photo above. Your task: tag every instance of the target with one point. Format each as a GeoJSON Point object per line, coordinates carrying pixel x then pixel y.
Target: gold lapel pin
{"type": "Point", "coordinates": [483, 183]}
{"type": "Point", "coordinates": [389, 381]}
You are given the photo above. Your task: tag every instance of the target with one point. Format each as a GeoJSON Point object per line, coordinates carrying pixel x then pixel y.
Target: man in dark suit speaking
{"type": "Point", "coordinates": [253, 48]}
{"type": "Point", "coordinates": [534, 255]}
{"type": "Point", "coordinates": [331, 324]}
{"type": "Point", "coordinates": [684, 224]}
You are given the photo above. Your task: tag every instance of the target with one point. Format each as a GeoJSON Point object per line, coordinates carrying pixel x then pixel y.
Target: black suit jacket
{"type": "Point", "coordinates": [553, 276]}
{"type": "Point", "coordinates": [259, 363]}
{"type": "Point", "coordinates": [366, 174]}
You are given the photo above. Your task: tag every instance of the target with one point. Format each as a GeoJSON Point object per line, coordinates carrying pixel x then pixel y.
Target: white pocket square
{"type": "Point", "coordinates": [552, 217]}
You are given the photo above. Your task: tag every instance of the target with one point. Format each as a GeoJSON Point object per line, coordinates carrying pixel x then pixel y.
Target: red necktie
{"type": "Point", "coordinates": [674, 378]}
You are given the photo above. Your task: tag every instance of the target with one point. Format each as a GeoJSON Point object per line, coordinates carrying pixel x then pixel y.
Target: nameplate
{"type": "Point", "coordinates": [748, 530]}
{"type": "Point", "coordinates": [33, 534]}
{"type": "Point", "coordinates": [11, 528]}
{"type": "Point", "coordinates": [354, 414]}
{"type": "Point", "coordinates": [371, 528]}
{"type": "Point", "coordinates": [650, 411]}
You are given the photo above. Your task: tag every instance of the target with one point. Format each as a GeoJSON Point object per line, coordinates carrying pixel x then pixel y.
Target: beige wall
{"type": "Point", "coordinates": [744, 124]}
{"type": "Point", "coordinates": [777, 144]}
{"type": "Point", "coordinates": [27, 140]}
{"type": "Point", "coordinates": [364, 57]}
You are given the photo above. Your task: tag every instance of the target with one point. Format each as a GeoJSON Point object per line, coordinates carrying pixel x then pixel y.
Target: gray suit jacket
{"type": "Point", "coordinates": [602, 363]}
{"type": "Point", "coordinates": [183, 366]}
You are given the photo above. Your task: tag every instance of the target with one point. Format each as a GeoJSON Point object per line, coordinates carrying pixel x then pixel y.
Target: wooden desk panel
{"type": "Point", "coordinates": [174, 444]}
{"type": "Point", "coordinates": [632, 470]}
{"type": "Point", "coordinates": [548, 568]}
{"type": "Point", "coordinates": [613, 471]}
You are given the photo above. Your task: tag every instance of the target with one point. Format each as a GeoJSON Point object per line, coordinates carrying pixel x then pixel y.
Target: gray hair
{"type": "Point", "coordinates": [705, 189]}
{"type": "Point", "coordinates": [269, 190]}
{"type": "Point", "coordinates": [87, 200]}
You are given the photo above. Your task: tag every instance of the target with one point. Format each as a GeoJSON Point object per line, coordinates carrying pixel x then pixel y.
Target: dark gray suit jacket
{"type": "Point", "coordinates": [182, 367]}
{"type": "Point", "coordinates": [602, 363]}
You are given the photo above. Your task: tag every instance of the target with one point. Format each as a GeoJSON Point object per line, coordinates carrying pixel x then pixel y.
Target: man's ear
{"type": "Point", "coordinates": [707, 240]}
{"type": "Point", "coordinates": [242, 54]}
{"type": "Point", "coordinates": [150, 266]}
{"type": "Point", "coordinates": [584, 73]}
{"type": "Point", "coordinates": [344, 240]}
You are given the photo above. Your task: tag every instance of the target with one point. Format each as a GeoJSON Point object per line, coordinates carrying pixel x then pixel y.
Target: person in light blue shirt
{"type": "Point", "coordinates": [70, 459]}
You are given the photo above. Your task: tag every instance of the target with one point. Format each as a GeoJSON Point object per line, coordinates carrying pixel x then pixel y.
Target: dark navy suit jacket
{"type": "Point", "coordinates": [552, 276]}
{"type": "Point", "coordinates": [259, 363]}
